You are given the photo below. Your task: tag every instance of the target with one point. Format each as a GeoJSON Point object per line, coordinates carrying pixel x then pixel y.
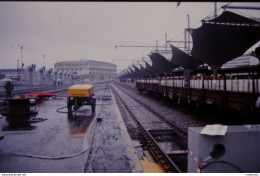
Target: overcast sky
{"type": "Point", "coordinates": [90, 30]}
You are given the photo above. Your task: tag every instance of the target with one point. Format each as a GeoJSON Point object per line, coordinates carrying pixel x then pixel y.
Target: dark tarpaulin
{"type": "Point", "coordinates": [184, 60]}
{"type": "Point", "coordinates": [132, 74]}
{"type": "Point", "coordinates": [127, 74]}
{"type": "Point", "coordinates": [150, 70]}
{"type": "Point", "coordinates": [143, 71]}
{"type": "Point", "coordinates": [135, 72]}
{"type": "Point", "coordinates": [160, 63]}
{"type": "Point", "coordinates": [216, 44]}
{"type": "Point", "coordinates": [138, 72]}
{"type": "Point", "coordinates": [124, 74]}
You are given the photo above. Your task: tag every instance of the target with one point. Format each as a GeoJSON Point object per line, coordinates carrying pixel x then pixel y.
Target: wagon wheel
{"type": "Point", "coordinates": [93, 105]}
{"type": "Point", "coordinates": [74, 107]}
{"type": "Point", "coordinates": [69, 106]}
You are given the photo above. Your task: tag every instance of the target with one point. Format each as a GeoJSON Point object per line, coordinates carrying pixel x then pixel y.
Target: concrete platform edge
{"type": "Point", "coordinates": [130, 151]}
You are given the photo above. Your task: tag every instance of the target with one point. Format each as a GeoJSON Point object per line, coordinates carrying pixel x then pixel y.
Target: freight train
{"type": "Point", "coordinates": [235, 88]}
{"type": "Point", "coordinates": [199, 76]}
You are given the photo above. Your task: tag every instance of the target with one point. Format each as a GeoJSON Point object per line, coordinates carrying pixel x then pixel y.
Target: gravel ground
{"type": "Point", "coordinates": [147, 118]}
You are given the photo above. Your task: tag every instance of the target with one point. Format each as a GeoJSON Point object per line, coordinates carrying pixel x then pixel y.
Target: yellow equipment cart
{"type": "Point", "coordinates": [79, 95]}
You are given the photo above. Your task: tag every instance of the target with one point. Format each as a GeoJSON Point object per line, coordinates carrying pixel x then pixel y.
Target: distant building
{"type": "Point", "coordinates": [88, 69]}
{"type": "Point", "coordinates": [14, 74]}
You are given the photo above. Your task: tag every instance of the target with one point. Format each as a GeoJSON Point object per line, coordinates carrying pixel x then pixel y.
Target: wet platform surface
{"type": "Point", "coordinates": [57, 142]}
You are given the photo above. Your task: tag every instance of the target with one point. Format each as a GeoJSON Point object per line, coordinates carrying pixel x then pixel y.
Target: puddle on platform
{"type": "Point", "coordinates": [18, 127]}
{"type": "Point", "coordinates": [19, 123]}
{"type": "Point", "coordinates": [80, 122]}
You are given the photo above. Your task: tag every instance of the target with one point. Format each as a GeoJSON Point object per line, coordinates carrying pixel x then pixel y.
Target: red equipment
{"type": "Point", "coordinates": [40, 95]}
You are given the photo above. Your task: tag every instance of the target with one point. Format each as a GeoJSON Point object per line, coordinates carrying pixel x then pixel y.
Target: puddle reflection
{"type": "Point", "coordinates": [80, 122]}
{"type": "Point", "coordinates": [12, 125]}
{"type": "Point", "coordinates": [17, 123]}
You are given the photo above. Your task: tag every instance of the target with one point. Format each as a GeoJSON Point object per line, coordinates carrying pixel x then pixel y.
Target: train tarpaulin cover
{"type": "Point", "coordinates": [224, 38]}
{"type": "Point", "coordinates": [161, 63]}
{"type": "Point", "coordinates": [183, 59]}
{"type": "Point", "coordinates": [150, 69]}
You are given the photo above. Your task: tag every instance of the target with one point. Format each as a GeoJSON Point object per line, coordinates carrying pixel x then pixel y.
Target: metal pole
{"type": "Point", "coordinates": [215, 9]}
{"type": "Point", "coordinates": [21, 56]}
{"type": "Point", "coordinates": [43, 55]}
{"type": "Point", "coordinates": [165, 41]}
{"type": "Point", "coordinates": [22, 65]}
{"type": "Point", "coordinates": [188, 16]}
{"type": "Point", "coordinates": [185, 39]}
{"type": "Point", "coordinates": [21, 47]}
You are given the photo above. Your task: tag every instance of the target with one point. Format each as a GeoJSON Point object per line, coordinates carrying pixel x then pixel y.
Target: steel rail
{"type": "Point", "coordinates": [158, 153]}
{"type": "Point", "coordinates": [175, 127]}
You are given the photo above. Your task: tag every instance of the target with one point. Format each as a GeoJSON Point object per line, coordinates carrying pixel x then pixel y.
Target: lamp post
{"type": "Point", "coordinates": [44, 55]}
{"type": "Point", "coordinates": [188, 17]}
{"type": "Point", "coordinates": [21, 47]}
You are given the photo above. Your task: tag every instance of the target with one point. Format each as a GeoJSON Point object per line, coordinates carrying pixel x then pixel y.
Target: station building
{"type": "Point", "coordinates": [88, 69]}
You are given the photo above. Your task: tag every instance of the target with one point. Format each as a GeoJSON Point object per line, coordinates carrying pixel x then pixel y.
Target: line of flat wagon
{"type": "Point", "coordinates": [233, 88]}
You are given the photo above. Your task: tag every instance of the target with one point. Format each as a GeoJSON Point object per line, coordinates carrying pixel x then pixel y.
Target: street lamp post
{"type": "Point", "coordinates": [44, 55]}
{"type": "Point", "coordinates": [21, 47]}
{"type": "Point", "coordinates": [21, 72]}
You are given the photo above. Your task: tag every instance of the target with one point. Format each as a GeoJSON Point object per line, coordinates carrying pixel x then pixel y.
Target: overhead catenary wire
{"type": "Point", "coordinates": [197, 23]}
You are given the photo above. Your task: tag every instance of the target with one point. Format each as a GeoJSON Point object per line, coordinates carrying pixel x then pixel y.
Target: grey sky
{"type": "Point", "coordinates": [90, 30]}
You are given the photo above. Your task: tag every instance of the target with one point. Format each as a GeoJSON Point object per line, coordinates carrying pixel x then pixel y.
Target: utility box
{"type": "Point", "coordinates": [238, 150]}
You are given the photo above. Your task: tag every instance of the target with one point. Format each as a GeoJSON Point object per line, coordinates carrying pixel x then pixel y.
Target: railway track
{"type": "Point", "coordinates": [172, 125]}
{"type": "Point", "coordinates": [155, 131]}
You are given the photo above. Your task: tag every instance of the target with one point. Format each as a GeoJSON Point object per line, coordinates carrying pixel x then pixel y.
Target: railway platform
{"type": "Point", "coordinates": [55, 142]}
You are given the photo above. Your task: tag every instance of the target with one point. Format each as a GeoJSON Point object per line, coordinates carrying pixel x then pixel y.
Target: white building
{"type": "Point", "coordinates": [87, 69]}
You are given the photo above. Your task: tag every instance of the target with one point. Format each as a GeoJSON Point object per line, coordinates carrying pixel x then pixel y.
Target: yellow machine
{"type": "Point", "coordinates": [79, 95]}
{"type": "Point", "coordinates": [81, 90]}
